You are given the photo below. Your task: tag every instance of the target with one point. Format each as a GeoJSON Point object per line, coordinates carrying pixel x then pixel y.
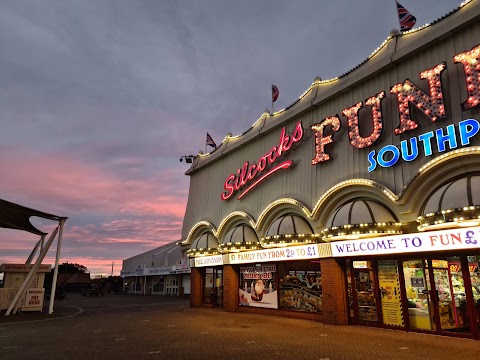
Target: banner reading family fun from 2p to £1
{"type": "Point", "coordinates": [258, 286]}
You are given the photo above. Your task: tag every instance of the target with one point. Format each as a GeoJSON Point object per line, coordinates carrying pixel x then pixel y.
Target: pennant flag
{"type": "Point", "coordinates": [407, 20]}
{"type": "Point", "coordinates": [274, 93]}
{"type": "Point", "coordinates": [210, 141]}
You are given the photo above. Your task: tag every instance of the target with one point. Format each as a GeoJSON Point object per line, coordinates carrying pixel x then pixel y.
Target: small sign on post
{"type": "Point", "coordinates": [34, 300]}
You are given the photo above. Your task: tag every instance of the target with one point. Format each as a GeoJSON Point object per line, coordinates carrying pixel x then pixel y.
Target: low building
{"type": "Point", "coordinates": [73, 282]}
{"type": "Point", "coordinates": [161, 271]}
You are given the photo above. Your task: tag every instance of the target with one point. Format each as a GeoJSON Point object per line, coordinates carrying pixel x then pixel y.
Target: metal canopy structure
{"type": "Point", "coordinates": [15, 216]}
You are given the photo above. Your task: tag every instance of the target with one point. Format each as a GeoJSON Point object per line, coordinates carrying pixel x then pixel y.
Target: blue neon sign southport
{"type": "Point", "coordinates": [444, 139]}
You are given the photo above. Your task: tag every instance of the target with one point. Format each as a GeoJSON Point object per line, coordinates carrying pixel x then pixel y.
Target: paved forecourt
{"type": "Point", "coordinates": [154, 327]}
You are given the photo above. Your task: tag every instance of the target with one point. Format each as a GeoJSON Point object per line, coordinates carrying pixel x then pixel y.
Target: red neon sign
{"type": "Point", "coordinates": [250, 175]}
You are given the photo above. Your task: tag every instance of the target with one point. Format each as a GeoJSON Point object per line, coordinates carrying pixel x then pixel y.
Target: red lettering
{"type": "Point", "coordinates": [248, 172]}
{"type": "Point", "coordinates": [298, 133]}
{"type": "Point", "coordinates": [228, 187]}
{"type": "Point", "coordinates": [431, 105]}
{"type": "Point", "coordinates": [353, 126]}
{"type": "Point", "coordinates": [321, 140]}
{"type": "Point", "coordinates": [272, 155]}
{"type": "Point", "coordinates": [456, 237]}
{"type": "Point", "coordinates": [244, 174]}
{"type": "Point", "coordinates": [262, 163]}
{"type": "Point", "coordinates": [471, 67]}
{"type": "Point", "coordinates": [237, 180]}
{"type": "Point", "coordinates": [252, 172]}
{"type": "Point", "coordinates": [444, 241]}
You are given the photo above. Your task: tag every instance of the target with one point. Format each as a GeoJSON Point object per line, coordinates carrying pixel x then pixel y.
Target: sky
{"type": "Point", "coordinates": [100, 99]}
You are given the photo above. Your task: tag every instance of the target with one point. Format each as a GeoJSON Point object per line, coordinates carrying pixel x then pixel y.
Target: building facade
{"type": "Point", "coordinates": [359, 203]}
{"type": "Point", "coordinates": [161, 271]}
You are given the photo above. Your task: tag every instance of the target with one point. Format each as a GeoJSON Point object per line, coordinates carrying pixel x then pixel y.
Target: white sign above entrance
{"type": "Point", "coordinates": [454, 239]}
{"type": "Point", "coordinates": [209, 260]}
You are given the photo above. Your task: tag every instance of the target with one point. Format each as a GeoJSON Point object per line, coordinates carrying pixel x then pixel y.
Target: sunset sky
{"type": "Point", "coordinates": [99, 99]}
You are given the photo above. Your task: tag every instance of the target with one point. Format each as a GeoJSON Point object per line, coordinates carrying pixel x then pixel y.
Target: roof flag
{"type": "Point", "coordinates": [274, 93]}
{"type": "Point", "coordinates": [407, 20]}
{"type": "Point", "coordinates": [210, 141]}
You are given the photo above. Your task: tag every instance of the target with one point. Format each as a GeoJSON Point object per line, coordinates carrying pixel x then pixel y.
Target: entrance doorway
{"type": "Point", "coordinates": [440, 295]}
{"type": "Point", "coordinates": [375, 294]}
{"type": "Point", "coordinates": [363, 293]}
{"type": "Point", "coordinates": [213, 286]}
{"type": "Point", "coordinates": [453, 305]}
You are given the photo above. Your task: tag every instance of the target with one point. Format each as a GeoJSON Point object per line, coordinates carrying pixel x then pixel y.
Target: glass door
{"type": "Point", "coordinates": [218, 287]}
{"type": "Point", "coordinates": [365, 299]}
{"type": "Point", "coordinates": [208, 286]}
{"type": "Point", "coordinates": [419, 300]}
{"type": "Point", "coordinates": [445, 303]}
{"type": "Point", "coordinates": [474, 272]}
{"type": "Point", "coordinates": [213, 286]}
{"type": "Point", "coordinates": [451, 296]}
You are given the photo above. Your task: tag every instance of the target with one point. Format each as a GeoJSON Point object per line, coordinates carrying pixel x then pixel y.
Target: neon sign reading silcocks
{"type": "Point", "coordinates": [250, 175]}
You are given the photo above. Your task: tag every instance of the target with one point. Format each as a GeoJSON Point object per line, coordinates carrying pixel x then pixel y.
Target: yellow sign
{"type": "Point", "coordinates": [390, 293]}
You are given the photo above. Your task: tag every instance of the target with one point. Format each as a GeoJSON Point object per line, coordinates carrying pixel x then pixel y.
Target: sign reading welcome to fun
{"type": "Point", "coordinates": [455, 239]}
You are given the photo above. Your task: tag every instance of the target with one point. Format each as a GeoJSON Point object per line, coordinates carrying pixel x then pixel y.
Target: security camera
{"type": "Point", "coordinates": [181, 159]}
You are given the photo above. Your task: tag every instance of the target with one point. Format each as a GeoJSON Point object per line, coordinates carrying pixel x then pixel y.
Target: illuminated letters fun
{"type": "Point", "coordinates": [408, 94]}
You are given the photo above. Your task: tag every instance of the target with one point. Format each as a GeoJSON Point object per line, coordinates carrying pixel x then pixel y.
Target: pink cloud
{"type": "Point", "coordinates": [74, 186]}
{"type": "Point", "coordinates": [109, 216]}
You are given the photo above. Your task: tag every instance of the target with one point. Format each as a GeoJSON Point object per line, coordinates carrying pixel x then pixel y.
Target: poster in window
{"type": "Point", "coordinates": [390, 293]}
{"type": "Point", "coordinates": [258, 286]}
{"type": "Point", "coordinates": [301, 292]}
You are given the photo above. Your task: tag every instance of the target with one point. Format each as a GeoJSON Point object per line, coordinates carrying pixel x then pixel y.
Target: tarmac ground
{"type": "Point", "coordinates": [157, 327]}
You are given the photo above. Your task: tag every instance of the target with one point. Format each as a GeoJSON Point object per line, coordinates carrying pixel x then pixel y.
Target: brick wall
{"type": "Point", "coordinates": [196, 287]}
{"type": "Point", "coordinates": [230, 288]}
{"type": "Point", "coordinates": [334, 299]}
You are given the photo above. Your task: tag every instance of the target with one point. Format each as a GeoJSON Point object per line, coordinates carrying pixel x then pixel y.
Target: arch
{"type": "Point", "coordinates": [197, 230]}
{"type": "Point", "coordinates": [437, 172]}
{"type": "Point", "coordinates": [240, 238]}
{"type": "Point", "coordinates": [361, 217]}
{"type": "Point", "coordinates": [279, 208]}
{"type": "Point", "coordinates": [361, 210]}
{"type": "Point", "coordinates": [233, 220]}
{"type": "Point", "coordinates": [351, 190]}
{"type": "Point", "coordinates": [453, 203]}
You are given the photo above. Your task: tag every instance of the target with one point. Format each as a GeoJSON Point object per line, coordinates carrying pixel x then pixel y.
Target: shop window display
{"type": "Point", "coordinates": [448, 304]}
{"type": "Point", "coordinates": [300, 286]}
{"type": "Point", "coordinates": [450, 290]}
{"type": "Point", "coordinates": [474, 270]}
{"type": "Point", "coordinates": [158, 284]}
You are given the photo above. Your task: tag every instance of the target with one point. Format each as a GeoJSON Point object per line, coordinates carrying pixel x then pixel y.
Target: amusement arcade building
{"type": "Point", "coordinates": [359, 203]}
